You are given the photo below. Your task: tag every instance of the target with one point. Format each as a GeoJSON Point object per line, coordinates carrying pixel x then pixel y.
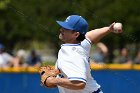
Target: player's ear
{"type": "Point", "coordinates": [77, 34]}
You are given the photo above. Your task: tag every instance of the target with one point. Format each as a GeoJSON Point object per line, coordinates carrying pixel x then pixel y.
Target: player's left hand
{"type": "Point", "coordinates": [45, 73]}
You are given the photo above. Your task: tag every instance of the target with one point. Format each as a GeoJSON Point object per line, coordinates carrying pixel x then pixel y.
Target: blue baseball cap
{"type": "Point", "coordinates": [76, 23]}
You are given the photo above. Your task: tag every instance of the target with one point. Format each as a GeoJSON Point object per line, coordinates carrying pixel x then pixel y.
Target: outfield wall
{"type": "Point", "coordinates": [111, 81]}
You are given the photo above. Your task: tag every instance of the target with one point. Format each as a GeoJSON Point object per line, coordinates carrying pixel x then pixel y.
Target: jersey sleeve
{"type": "Point", "coordinates": [75, 69]}
{"type": "Point", "coordinates": [86, 44]}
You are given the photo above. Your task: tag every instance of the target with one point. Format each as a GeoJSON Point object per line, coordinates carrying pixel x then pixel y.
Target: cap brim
{"type": "Point", "coordinates": [64, 25]}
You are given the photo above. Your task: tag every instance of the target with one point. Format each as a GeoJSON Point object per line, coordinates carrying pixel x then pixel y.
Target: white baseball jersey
{"type": "Point", "coordinates": [73, 62]}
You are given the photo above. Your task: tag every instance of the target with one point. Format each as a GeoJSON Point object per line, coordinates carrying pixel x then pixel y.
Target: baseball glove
{"type": "Point", "coordinates": [46, 72]}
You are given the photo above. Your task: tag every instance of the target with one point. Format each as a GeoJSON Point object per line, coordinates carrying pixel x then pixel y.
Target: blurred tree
{"type": "Point", "coordinates": [3, 4]}
{"type": "Point", "coordinates": [29, 20]}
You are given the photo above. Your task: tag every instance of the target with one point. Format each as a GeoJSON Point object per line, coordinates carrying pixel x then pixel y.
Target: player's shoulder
{"type": "Point", "coordinates": [86, 44]}
{"type": "Point", "coordinates": [87, 41]}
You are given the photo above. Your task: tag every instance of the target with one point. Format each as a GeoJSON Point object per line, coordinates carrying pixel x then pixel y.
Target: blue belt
{"type": "Point", "coordinates": [99, 90]}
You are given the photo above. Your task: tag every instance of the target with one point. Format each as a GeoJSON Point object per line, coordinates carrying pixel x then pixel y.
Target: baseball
{"type": "Point", "coordinates": [117, 27]}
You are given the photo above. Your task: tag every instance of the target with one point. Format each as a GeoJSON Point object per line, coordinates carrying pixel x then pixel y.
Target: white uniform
{"type": "Point", "coordinates": [73, 62]}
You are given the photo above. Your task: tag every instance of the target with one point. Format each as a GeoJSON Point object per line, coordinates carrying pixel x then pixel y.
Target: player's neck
{"type": "Point", "coordinates": [72, 42]}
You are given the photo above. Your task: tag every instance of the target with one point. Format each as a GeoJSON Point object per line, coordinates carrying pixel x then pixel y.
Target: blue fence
{"type": "Point", "coordinates": [111, 81]}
